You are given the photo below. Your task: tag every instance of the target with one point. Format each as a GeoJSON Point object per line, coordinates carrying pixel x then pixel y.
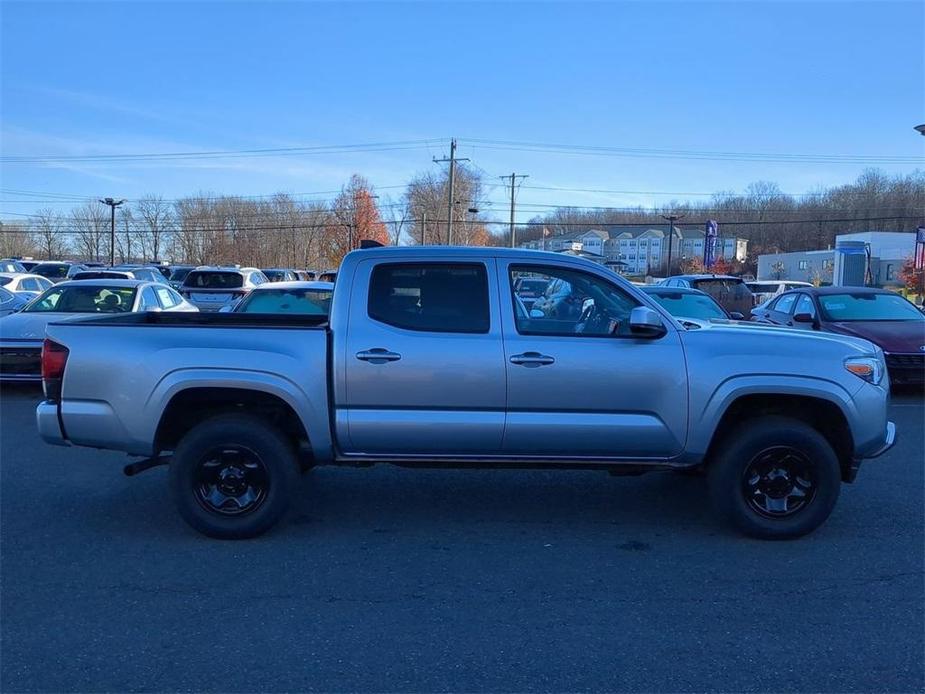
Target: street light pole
{"type": "Point", "coordinates": [113, 204]}
{"type": "Point", "coordinates": [671, 218]}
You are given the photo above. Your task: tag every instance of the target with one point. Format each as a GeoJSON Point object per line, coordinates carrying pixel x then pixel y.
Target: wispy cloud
{"type": "Point", "coordinates": [105, 103]}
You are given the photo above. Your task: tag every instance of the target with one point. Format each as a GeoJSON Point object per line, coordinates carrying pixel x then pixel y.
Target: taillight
{"type": "Point", "coordinates": [54, 359]}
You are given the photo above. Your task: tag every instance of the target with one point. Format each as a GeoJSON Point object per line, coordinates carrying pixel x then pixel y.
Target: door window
{"type": "Point", "coordinates": [785, 303]}
{"type": "Point", "coordinates": [166, 297]}
{"type": "Point", "coordinates": [432, 297]}
{"type": "Point", "coordinates": [576, 303]}
{"type": "Point", "coordinates": [148, 300]}
{"type": "Point", "coordinates": [806, 305]}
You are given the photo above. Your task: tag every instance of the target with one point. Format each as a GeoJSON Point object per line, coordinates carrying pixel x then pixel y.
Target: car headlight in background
{"type": "Point", "coordinates": [869, 368]}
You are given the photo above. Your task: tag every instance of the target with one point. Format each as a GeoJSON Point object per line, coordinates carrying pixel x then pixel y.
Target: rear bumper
{"type": "Point", "coordinates": [49, 424]}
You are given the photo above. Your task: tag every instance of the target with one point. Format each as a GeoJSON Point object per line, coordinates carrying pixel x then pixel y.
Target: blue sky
{"type": "Point", "coordinates": [787, 77]}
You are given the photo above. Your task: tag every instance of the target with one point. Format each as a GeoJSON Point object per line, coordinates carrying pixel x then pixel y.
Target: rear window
{"type": "Point", "coordinates": [101, 275]}
{"type": "Point", "coordinates": [6, 281]}
{"type": "Point", "coordinates": [180, 274]}
{"type": "Point", "coordinates": [450, 298]}
{"type": "Point", "coordinates": [683, 304]}
{"type": "Point", "coordinates": [729, 287]}
{"type": "Point", "coordinates": [202, 279]}
{"type": "Point", "coordinates": [50, 270]}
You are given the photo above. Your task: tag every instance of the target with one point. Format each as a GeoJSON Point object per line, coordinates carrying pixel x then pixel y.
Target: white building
{"type": "Point", "coordinates": [641, 250]}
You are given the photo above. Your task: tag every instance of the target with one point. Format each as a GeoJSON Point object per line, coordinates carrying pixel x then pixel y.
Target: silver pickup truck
{"type": "Point", "coordinates": [430, 358]}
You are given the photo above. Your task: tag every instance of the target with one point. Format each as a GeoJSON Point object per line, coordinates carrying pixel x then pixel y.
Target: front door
{"type": "Point", "coordinates": [422, 371]}
{"type": "Point", "coordinates": [579, 382]}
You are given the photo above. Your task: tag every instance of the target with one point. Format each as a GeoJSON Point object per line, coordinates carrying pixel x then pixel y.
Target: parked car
{"type": "Point", "coordinates": [305, 275]}
{"type": "Point", "coordinates": [9, 265]}
{"type": "Point", "coordinates": [178, 273]}
{"type": "Point", "coordinates": [730, 292]}
{"type": "Point", "coordinates": [58, 271]}
{"type": "Point", "coordinates": [143, 272]}
{"type": "Point", "coordinates": [28, 263]}
{"type": "Point", "coordinates": [21, 333]}
{"type": "Point", "coordinates": [682, 302]}
{"type": "Point", "coordinates": [328, 276]}
{"type": "Point", "coordinates": [210, 288]}
{"type": "Point", "coordinates": [529, 289]}
{"type": "Point", "coordinates": [288, 298]}
{"type": "Point", "coordinates": [280, 275]}
{"type": "Point", "coordinates": [10, 302]}
{"type": "Point", "coordinates": [24, 283]}
{"type": "Point", "coordinates": [429, 361]}
{"type": "Point", "coordinates": [882, 316]}
{"type": "Point", "coordinates": [763, 290]}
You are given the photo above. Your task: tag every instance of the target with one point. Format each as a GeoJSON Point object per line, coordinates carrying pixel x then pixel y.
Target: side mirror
{"type": "Point", "coordinates": [804, 318]}
{"type": "Point", "coordinates": [646, 322]}
{"type": "Point", "coordinates": [536, 313]}
{"type": "Point", "coordinates": [735, 315]}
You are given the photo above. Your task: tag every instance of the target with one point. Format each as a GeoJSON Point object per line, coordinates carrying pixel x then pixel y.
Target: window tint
{"type": "Point", "coordinates": [785, 303]}
{"type": "Point", "coordinates": [450, 298]}
{"type": "Point", "coordinates": [208, 279]}
{"type": "Point", "coordinates": [578, 303]}
{"type": "Point", "coordinates": [84, 299]}
{"type": "Point", "coordinates": [806, 305]}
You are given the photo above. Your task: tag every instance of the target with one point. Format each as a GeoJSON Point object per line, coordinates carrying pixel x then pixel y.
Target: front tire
{"type": "Point", "coordinates": [776, 479]}
{"type": "Point", "coordinates": [233, 476]}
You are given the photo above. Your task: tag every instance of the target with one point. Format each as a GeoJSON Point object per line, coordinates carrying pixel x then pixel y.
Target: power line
{"type": "Point", "coordinates": [215, 154]}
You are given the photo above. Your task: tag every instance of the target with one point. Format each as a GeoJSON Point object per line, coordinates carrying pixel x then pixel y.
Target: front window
{"type": "Point", "coordinates": [687, 305]}
{"type": "Point", "coordinates": [805, 305]}
{"type": "Point", "coordinates": [432, 297]}
{"type": "Point", "coordinates": [866, 306]}
{"type": "Point", "coordinates": [84, 299]}
{"type": "Point", "coordinates": [304, 302]}
{"type": "Point", "coordinates": [577, 303]}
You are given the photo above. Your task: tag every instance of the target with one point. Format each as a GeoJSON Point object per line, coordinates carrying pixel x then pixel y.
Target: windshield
{"type": "Point", "coordinates": [307, 302]}
{"type": "Point", "coordinates": [11, 266]}
{"type": "Point", "coordinates": [7, 281]}
{"type": "Point", "coordinates": [180, 274]}
{"type": "Point", "coordinates": [690, 305]}
{"type": "Point", "coordinates": [861, 307]}
{"type": "Point", "coordinates": [201, 279]}
{"type": "Point", "coordinates": [276, 275]}
{"type": "Point", "coordinates": [51, 270]}
{"type": "Point", "coordinates": [85, 299]}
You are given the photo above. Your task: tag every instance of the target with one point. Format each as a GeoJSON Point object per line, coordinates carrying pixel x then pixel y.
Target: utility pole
{"type": "Point", "coordinates": [423, 228]}
{"type": "Point", "coordinates": [513, 178]}
{"type": "Point", "coordinates": [113, 204]}
{"type": "Point", "coordinates": [449, 197]}
{"type": "Point", "coordinates": [672, 218]}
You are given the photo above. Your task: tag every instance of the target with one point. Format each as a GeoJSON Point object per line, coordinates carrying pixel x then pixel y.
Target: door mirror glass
{"type": "Point", "coordinates": [803, 318]}
{"type": "Point", "coordinates": [645, 322]}
{"type": "Point", "coordinates": [735, 315]}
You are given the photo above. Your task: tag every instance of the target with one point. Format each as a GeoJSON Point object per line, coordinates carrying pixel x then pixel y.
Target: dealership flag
{"type": "Point", "coordinates": [709, 243]}
{"type": "Point", "coordinates": [920, 248]}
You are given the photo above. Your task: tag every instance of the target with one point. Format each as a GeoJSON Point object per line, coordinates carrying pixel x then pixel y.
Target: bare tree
{"type": "Point", "coordinates": [16, 240]}
{"type": "Point", "coordinates": [51, 234]}
{"type": "Point", "coordinates": [91, 230]}
{"type": "Point", "coordinates": [155, 219]}
{"type": "Point", "coordinates": [426, 207]}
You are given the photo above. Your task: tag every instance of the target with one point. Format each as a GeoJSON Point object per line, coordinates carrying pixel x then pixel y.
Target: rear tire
{"type": "Point", "coordinates": [233, 476]}
{"type": "Point", "coordinates": [776, 479]}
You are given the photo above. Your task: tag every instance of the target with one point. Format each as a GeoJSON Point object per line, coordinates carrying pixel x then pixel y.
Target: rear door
{"type": "Point", "coordinates": [579, 384]}
{"type": "Point", "coordinates": [421, 369]}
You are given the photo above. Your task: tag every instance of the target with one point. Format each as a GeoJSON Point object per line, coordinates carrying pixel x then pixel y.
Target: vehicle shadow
{"type": "Point", "coordinates": [342, 502]}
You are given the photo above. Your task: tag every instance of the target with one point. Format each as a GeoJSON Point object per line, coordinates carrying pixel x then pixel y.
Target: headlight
{"type": "Point", "coordinates": [869, 368]}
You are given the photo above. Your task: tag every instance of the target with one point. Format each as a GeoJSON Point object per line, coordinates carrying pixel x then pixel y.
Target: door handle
{"type": "Point", "coordinates": [377, 355]}
{"type": "Point", "coordinates": [532, 359]}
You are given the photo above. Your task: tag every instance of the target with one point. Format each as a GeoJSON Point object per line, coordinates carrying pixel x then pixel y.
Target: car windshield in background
{"type": "Point", "coordinates": [51, 270]}
{"type": "Point", "coordinates": [307, 302]}
{"type": "Point", "coordinates": [863, 306]}
{"type": "Point", "coordinates": [690, 305]}
{"type": "Point", "coordinates": [276, 275]}
{"type": "Point", "coordinates": [716, 286]}
{"type": "Point", "coordinates": [84, 299]}
{"type": "Point", "coordinates": [180, 274]}
{"type": "Point", "coordinates": [7, 281]}
{"type": "Point", "coordinates": [201, 279]}
{"type": "Point", "coordinates": [8, 266]}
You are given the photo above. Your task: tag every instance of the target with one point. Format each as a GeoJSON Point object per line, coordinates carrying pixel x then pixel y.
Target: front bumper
{"type": "Point", "coordinates": [49, 424]}
{"type": "Point", "coordinates": [888, 441]}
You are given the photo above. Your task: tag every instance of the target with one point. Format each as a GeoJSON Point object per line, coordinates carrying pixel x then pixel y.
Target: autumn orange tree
{"type": "Point", "coordinates": [356, 217]}
{"type": "Point", "coordinates": [910, 277]}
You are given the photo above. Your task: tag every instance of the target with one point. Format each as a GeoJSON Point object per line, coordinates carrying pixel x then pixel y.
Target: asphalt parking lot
{"type": "Point", "coordinates": [390, 579]}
